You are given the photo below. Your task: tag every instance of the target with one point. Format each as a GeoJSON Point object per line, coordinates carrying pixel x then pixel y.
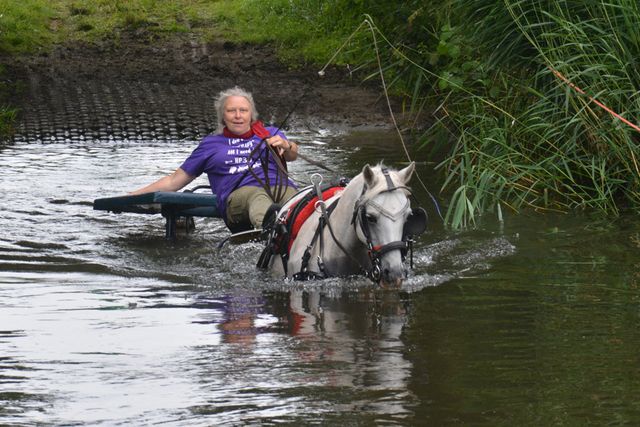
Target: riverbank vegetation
{"type": "Point", "coordinates": [534, 101]}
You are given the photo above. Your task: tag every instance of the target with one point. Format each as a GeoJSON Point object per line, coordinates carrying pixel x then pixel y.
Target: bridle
{"type": "Point", "coordinates": [415, 225]}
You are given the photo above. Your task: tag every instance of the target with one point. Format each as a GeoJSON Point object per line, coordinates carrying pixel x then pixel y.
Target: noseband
{"type": "Point", "coordinates": [416, 224]}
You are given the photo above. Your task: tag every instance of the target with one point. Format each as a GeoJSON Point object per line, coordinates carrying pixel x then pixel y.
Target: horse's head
{"type": "Point", "coordinates": [385, 221]}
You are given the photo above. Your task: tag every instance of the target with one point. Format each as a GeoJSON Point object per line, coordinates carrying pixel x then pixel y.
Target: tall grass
{"type": "Point", "coordinates": [560, 149]}
{"type": "Point", "coordinates": [519, 135]}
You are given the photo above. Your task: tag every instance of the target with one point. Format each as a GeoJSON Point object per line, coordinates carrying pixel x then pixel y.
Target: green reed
{"type": "Point", "coordinates": [7, 116]}
{"type": "Point", "coordinates": [518, 136]}
{"type": "Point", "coordinates": [542, 144]}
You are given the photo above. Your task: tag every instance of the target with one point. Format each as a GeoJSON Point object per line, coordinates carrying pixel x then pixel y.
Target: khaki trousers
{"type": "Point", "coordinates": [247, 205]}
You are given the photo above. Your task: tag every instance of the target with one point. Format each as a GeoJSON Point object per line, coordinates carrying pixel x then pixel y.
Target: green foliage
{"type": "Point", "coordinates": [28, 26]}
{"type": "Point", "coordinates": [559, 149]}
{"type": "Point", "coordinates": [301, 30]}
{"type": "Point", "coordinates": [521, 137]}
{"type": "Point", "coordinates": [7, 114]}
{"type": "Point", "coordinates": [518, 136]}
{"type": "Point", "coordinates": [23, 25]}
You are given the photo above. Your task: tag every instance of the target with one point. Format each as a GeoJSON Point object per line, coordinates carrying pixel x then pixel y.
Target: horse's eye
{"type": "Point", "coordinates": [371, 219]}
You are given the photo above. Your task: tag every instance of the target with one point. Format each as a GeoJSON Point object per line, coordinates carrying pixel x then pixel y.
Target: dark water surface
{"type": "Point", "coordinates": [104, 322]}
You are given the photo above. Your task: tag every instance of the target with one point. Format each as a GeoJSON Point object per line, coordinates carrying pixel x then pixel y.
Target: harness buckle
{"type": "Point", "coordinates": [306, 256]}
{"type": "Point", "coordinates": [321, 265]}
{"type": "Point", "coordinates": [282, 218]}
{"type": "Point", "coordinates": [376, 273]}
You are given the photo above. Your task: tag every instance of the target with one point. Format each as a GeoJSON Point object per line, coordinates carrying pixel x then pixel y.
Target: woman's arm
{"type": "Point", "coordinates": [173, 182]}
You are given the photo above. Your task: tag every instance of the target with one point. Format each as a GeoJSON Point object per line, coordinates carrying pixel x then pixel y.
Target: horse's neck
{"type": "Point", "coordinates": [343, 213]}
{"type": "Point", "coordinates": [344, 231]}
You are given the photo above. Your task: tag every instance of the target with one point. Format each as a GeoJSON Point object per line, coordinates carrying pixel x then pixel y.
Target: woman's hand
{"type": "Point", "coordinates": [278, 142]}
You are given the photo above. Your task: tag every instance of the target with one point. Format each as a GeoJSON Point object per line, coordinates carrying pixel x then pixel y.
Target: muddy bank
{"type": "Point", "coordinates": [137, 88]}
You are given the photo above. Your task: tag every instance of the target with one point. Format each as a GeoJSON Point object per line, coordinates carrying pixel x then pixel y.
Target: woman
{"type": "Point", "coordinates": [242, 202]}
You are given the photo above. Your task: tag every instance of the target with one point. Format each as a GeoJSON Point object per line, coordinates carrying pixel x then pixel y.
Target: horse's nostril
{"type": "Point", "coordinates": [392, 276]}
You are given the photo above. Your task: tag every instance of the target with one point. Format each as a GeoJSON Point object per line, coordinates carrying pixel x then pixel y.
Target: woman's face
{"type": "Point", "coordinates": [237, 115]}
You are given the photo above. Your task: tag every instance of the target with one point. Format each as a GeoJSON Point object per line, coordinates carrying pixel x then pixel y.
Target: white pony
{"type": "Point", "coordinates": [365, 228]}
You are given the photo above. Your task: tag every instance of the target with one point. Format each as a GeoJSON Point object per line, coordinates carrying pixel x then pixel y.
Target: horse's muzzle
{"type": "Point", "coordinates": [392, 278]}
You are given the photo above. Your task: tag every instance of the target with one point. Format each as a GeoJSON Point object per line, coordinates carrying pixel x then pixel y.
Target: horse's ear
{"type": "Point", "coordinates": [369, 175]}
{"type": "Point", "coordinates": [405, 174]}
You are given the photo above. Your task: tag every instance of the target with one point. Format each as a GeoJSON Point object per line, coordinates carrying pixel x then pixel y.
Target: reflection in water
{"type": "Point", "coordinates": [239, 319]}
{"type": "Point", "coordinates": [93, 353]}
{"type": "Point", "coordinates": [337, 347]}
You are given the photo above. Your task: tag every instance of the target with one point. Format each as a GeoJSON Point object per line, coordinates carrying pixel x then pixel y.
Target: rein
{"type": "Point", "coordinates": [283, 172]}
{"type": "Point", "coordinates": [282, 175]}
{"type": "Point", "coordinates": [317, 197]}
{"type": "Point", "coordinates": [327, 222]}
{"type": "Point", "coordinates": [359, 215]}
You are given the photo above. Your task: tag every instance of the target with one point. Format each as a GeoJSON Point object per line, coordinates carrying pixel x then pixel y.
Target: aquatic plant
{"type": "Point", "coordinates": [547, 142]}
{"type": "Point", "coordinates": [534, 101]}
{"type": "Point", "coordinates": [522, 94]}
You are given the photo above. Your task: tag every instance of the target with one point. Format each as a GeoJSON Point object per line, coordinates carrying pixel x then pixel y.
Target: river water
{"type": "Point", "coordinates": [104, 322]}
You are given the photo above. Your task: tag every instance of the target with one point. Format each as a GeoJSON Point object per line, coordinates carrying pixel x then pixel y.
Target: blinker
{"type": "Point", "coordinates": [416, 224]}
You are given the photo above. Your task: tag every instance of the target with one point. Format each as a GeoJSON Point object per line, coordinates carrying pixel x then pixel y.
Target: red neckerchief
{"type": "Point", "coordinates": [256, 129]}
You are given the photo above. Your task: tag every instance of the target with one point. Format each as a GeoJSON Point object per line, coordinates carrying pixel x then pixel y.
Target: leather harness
{"type": "Point", "coordinates": [317, 196]}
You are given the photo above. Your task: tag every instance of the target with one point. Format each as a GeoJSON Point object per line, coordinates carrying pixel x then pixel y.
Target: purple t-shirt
{"type": "Point", "coordinates": [225, 161]}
